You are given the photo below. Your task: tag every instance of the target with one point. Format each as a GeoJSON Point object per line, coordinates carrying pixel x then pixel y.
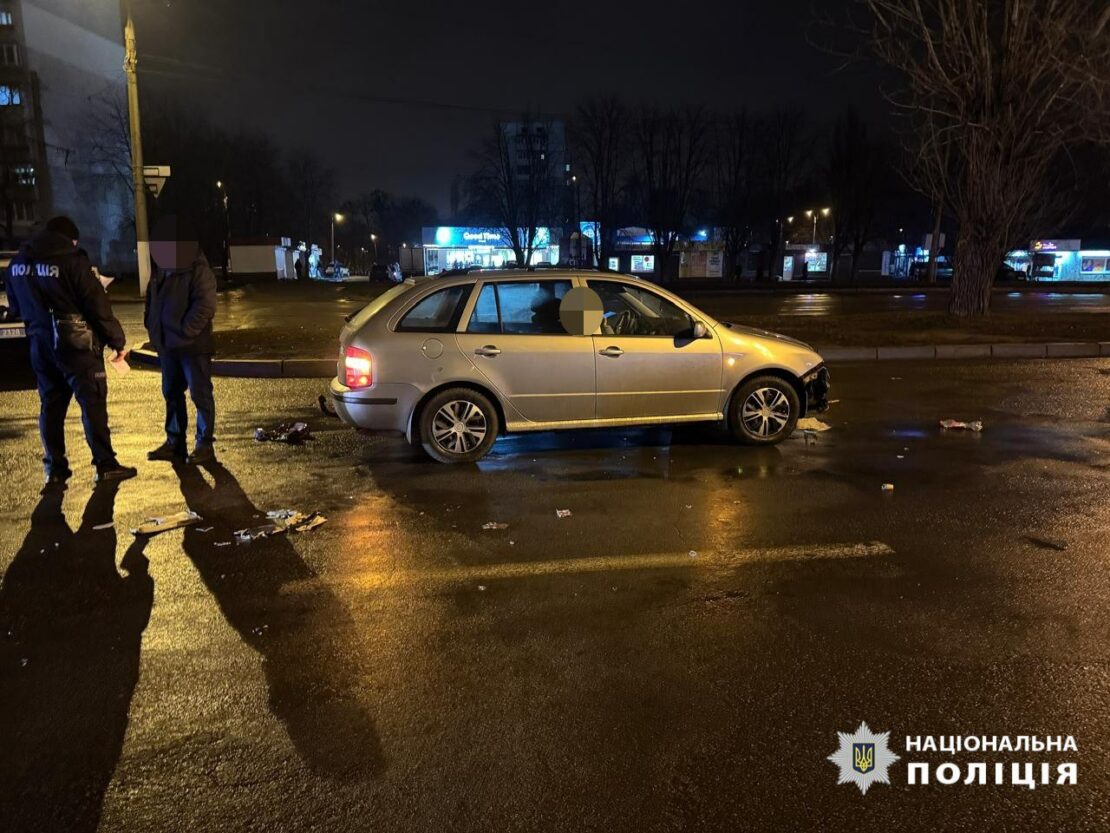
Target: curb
{"type": "Point", "coordinates": [325, 368]}
{"type": "Point", "coordinates": [254, 368]}
{"type": "Point", "coordinates": [1010, 350]}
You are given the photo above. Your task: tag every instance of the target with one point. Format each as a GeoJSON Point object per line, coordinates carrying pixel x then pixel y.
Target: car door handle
{"type": "Point", "coordinates": [612, 352]}
{"type": "Point", "coordinates": [489, 350]}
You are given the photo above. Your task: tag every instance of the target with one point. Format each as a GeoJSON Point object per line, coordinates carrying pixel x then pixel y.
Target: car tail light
{"type": "Point", "coordinates": [357, 368]}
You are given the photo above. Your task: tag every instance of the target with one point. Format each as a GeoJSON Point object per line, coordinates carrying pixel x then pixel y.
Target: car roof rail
{"type": "Point", "coordinates": [456, 272]}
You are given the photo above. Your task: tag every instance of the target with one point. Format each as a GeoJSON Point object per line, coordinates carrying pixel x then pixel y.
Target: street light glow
{"type": "Point", "coordinates": [338, 217]}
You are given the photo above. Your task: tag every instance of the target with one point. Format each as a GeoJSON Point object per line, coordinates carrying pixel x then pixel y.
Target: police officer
{"type": "Point", "coordinates": [68, 321]}
{"type": "Point", "coordinates": [180, 306]}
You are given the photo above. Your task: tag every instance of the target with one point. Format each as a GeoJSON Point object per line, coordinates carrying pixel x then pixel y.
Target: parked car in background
{"type": "Point", "coordinates": [337, 271]}
{"type": "Point", "coordinates": [456, 361]}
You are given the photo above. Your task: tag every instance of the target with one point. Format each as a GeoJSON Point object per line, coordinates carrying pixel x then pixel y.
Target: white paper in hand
{"type": "Point", "coordinates": [120, 365]}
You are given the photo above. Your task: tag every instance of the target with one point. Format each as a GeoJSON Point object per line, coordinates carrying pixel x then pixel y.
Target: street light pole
{"type": "Point", "coordinates": [130, 67]}
{"type": "Point", "coordinates": [227, 226]}
{"type": "Point", "coordinates": [335, 218]}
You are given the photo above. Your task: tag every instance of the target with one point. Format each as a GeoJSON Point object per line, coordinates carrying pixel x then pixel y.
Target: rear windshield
{"type": "Point", "coordinates": [378, 304]}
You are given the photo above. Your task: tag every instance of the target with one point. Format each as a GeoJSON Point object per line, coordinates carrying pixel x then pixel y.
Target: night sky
{"type": "Point", "coordinates": [309, 73]}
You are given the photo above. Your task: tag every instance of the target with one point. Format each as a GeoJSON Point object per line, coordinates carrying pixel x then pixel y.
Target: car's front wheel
{"type": "Point", "coordinates": [458, 425]}
{"type": "Point", "coordinates": [764, 411]}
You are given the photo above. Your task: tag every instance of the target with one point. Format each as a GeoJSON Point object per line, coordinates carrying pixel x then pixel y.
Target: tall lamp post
{"type": "Point", "coordinates": [374, 240]}
{"type": "Point", "coordinates": [130, 68]}
{"type": "Point", "coordinates": [335, 218]}
{"type": "Point", "coordinates": [814, 213]}
{"type": "Point", "coordinates": [227, 226]}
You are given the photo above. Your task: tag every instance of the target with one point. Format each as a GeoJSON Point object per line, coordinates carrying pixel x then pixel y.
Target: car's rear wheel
{"type": "Point", "coordinates": [764, 411]}
{"type": "Point", "coordinates": [458, 425]}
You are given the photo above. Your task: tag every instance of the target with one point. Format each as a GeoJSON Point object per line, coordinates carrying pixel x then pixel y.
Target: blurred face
{"type": "Point", "coordinates": [174, 255]}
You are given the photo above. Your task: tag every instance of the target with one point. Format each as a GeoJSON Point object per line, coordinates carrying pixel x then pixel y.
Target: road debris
{"type": "Point", "coordinates": [326, 407]}
{"type": "Point", "coordinates": [205, 528]}
{"type": "Point", "coordinates": [813, 424]}
{"type": "Point", "coordinates": [154, 526]}
{"type": "Point", "coordinates": [494, 525]}
{"type": "Point", "coordinates": [562, 513]}
{"type": "Point", "coordinates": [888, 487]}
{"type": "Point", "coordinates": [959, 425]}
{"type": "Point", "coordinates": [108, 525]}
{"type": "Point", "coordinates": [293, 433]}
{"type": "Point", "coordinates": [1046, 543]}
{"type": "Point", "coordinates": [693, 553]}
{"type": "Point", "coordinates": [281, 520]}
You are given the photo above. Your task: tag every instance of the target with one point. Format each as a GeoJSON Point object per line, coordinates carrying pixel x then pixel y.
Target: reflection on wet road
{"type": "Point", "coordinates": [677, 652]}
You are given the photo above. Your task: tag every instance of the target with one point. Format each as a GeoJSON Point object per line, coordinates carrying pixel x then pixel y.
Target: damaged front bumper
{"type": "Point", "coordinates": [817, 389]}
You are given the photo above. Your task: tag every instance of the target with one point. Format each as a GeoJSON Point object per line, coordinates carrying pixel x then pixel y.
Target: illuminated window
{"type": "Point", "coordinates": [25, 174]}
{"type": "Point", "coordinates": [10, 95]}
{"type": "Point", "coordinates": [6, 19]}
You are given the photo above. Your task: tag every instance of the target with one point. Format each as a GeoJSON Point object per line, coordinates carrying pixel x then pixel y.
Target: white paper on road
{"type": "Point", "coordinates": [153, 526]}
{"type": "Point", "coordinates": [813, 424]}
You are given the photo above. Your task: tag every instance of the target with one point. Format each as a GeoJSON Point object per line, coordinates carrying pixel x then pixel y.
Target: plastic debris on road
{"type": "Point", "coordinates": [495, 525]}
{"type": "Point", "coordinates": [813, 424]}
{"type": "Point", "coordinates": [281, 521]}
{"type": "Point", "coordinates": [888, 487]}
{"type": "Point", "coordinates": [562, 513]}
{"type": "Point", "coordinates": [959, 425]}
{"type": "Point", "coordinates": [153, 526]}
{"type": "Point", "coordinates": [293, 433]}
{"type": "Point", "coordinates": [103, 526]}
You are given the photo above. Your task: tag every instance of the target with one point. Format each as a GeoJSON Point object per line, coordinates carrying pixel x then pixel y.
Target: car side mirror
{"type": "Point", "coordinates": [700, 330]}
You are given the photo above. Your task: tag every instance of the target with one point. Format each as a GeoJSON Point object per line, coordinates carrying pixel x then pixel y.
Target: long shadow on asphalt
{"type": "Point", "coordinates": [312, 689]}
{"type": "Point", "coordinates": [70, 635]}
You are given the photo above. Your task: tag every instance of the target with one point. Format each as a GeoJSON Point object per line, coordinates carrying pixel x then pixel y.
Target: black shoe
{"type": "Point", "coordinates": [203, 453]}
{"type": "Point", "coordinates": [56, 481]}
{"type": "Point", "coordinates": [114, 471]}
{"type": "Point", "coordinates": [167, 452]}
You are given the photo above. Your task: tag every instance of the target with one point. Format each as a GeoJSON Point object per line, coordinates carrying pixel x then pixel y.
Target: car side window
{"type": "Point", "coordinates": [438, 313]}
{"type": "Point", "coordinates": [631, 311]}
{"type": "Point", "coordinates": [519, 308]}
{"type": "Point", "coordinates": [485, 319]}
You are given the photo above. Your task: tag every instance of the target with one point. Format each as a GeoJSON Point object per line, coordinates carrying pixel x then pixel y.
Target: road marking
{"type": "Point", "coordinates": [649, 561]}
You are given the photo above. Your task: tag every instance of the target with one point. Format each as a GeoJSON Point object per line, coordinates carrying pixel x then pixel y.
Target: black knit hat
{"type": "Point", "coordinates": [64, 225]}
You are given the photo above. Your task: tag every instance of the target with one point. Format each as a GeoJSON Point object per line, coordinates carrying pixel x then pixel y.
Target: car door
{"type": "Point", "coordinates": [514, 338]}
{"type": "Point", "coordinates": [648, 362]}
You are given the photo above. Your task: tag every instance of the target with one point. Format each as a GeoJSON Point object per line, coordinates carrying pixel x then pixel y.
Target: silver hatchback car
{"type": "Point", "coordinates": [455, 361]}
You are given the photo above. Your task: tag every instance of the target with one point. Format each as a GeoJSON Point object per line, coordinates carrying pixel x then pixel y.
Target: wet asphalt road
{"type": "Point", "coordinates": [678, 654]}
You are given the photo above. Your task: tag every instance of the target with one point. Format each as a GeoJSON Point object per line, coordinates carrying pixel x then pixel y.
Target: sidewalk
{"type": "Point", "coordinates": [289, 329]}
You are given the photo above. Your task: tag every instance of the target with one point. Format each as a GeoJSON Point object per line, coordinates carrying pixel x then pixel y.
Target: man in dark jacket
{"type": "Point", "coordinates": [180, 306]}
{"type": "Point", "coordinates": [68, 321]}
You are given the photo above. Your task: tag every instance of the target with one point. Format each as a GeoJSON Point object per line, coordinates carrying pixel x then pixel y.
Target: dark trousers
{"type": "Point", "coordinates": [187, 372]}
{"type": "Point", "coordinates": [60, 382]}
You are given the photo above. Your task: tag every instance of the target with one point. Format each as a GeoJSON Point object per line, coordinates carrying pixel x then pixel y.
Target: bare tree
{"type": "Point", "coordinates": [782, 151]}
{"type": "Point", "coordinates": [312, 188]}
{"type": "Point", "coordinates": [992, 92]}
{"type": "Point", "coordinates": [516, 181]}
{"type": "Point", "coordinates": [732, 184]}
{"type": "Point", "coordinates": [599, 142]}
{"type": "Point", "coordinates": [670, 152]}
{"type": "Point", "coordinates": [855, 173]}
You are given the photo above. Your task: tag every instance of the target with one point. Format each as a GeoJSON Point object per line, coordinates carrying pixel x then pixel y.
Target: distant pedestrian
{"type": "Point", "coordinates": [68, 321]}
{"type": "Point", "coordinates": [180, 306]}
